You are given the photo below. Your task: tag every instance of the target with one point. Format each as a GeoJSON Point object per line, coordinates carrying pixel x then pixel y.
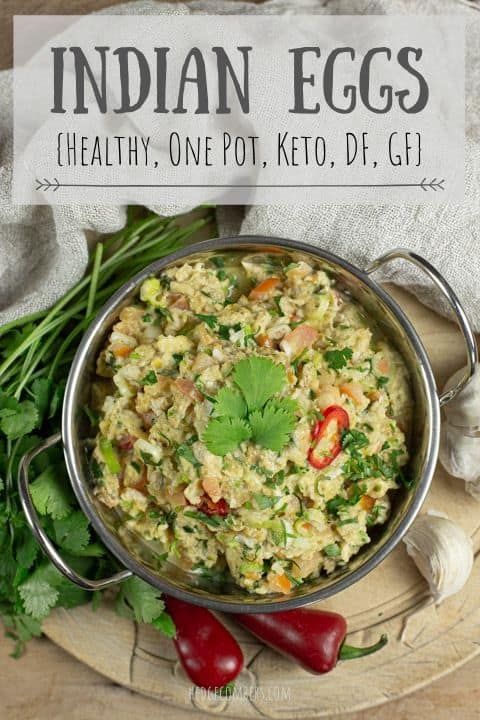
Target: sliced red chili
{"type": "Point", "coordinates": [327, 437]}
{"type": "Point", "coordinates": [209, 507]}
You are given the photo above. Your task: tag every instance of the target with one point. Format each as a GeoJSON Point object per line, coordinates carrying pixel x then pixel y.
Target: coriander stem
{"type": "Point", "coordinates": [97, 261]}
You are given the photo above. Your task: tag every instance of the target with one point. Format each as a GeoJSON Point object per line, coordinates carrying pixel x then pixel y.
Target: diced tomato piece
{"type": "Point", "coordinates": [141, 483]}
{"type": "Point", "coordinates": [187, 387]}
{"type": "Point", "coordinates": [126, 442]}
{"type": "Point", "coordinates": [177, 300]}
{"type": "Point", "coordinates": [209, 507]}
{"type": "Point", "coordinates": [298, 340]}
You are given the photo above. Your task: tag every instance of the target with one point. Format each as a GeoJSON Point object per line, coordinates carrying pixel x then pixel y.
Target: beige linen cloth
{"type": "Point", "coordinates": [43, 249]}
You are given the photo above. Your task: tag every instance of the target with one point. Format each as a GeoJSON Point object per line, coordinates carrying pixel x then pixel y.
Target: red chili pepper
{"type": "Point", "coordinates": [209, 507]}
{"type": "Point", "coordinates": [312, 638]}
{"type": "Point", "coordinates": [328, 430]}
{"type": "Point", "coordinates": [209, 653]}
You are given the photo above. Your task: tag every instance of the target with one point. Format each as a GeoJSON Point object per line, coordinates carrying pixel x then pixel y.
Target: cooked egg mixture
{"type": "Point", "coordinates": [252, 420]}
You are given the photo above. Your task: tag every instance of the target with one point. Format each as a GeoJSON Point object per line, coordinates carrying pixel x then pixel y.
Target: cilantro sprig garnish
{"type": "Point", "coordinates": [251, 409]}
{"type": "Point", "coordinates": [35, 357]}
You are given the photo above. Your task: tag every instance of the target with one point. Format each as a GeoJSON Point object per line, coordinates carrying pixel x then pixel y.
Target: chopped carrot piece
{"type": "Point", "coordinates": [264, 341]}
{"type": "Point", "coordinates": [122, 350]}
{"type": "Point", "coordinates": [354, 391]}
{"type": "Point", "coordinates": [383, 365]}
{"type": "Point", "coordinates": [367, 502]}
{"type": "Point", "coordinates": [264, 288]}
{"type": "Point", "coordinates": [284, 584]}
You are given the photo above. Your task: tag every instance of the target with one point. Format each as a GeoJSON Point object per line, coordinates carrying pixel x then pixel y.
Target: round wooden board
{"type": "Point", "coordinates": [391, 598]}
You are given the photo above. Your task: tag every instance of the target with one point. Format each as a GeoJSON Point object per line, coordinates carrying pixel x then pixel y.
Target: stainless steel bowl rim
{"type": "Point", "coordinates": [111, 542]}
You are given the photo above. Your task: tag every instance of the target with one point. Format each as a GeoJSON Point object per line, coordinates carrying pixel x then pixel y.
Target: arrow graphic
{"type": "Point", "coordinates": [433, 184]}
{"type": "Point", "coordinates": [424, 185]}
{"type": "Point", "coordinates": [47, 185]}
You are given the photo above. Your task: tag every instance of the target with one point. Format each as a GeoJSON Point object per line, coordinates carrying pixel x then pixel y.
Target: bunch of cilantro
{"type": "Point", "coordinates": [35, 356]}
{"type": "Point", "coordinates": [251, 409]}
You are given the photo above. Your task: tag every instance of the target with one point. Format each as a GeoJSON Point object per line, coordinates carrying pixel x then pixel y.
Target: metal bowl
{"type": "Point", "coordinates": [141, 558]}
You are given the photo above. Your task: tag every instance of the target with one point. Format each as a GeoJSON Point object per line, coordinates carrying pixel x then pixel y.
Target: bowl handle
{"type": "Point", "coordinates": [44, 541]}
{"type": "Point", "coordinates": [453, 301]}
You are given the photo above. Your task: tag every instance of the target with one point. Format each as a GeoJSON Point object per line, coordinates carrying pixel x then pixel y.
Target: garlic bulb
{"type": "Point", "coordinates": [464, 410]}
{"type": "Point", "coordinates": [460, 437]}
{"type": "Point", "coordinates": [442, 552]}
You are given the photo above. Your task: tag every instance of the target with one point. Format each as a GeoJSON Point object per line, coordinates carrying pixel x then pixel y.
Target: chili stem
{"type": "Point", "coordinates": [347, 652]}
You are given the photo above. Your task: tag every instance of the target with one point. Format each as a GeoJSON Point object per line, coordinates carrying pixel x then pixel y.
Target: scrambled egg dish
{"type": "Point", "coordinates": [252, 420]}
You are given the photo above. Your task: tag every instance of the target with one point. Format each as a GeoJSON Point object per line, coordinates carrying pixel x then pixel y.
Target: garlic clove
{"type": "Point", "coordinates": [460, 456]}
{"type": "Point", "coordinates": [460, 434]}
{"type": "Point", "coordinates": [464, 410]}
{"type": "Point", "coordinates": [442, 552]}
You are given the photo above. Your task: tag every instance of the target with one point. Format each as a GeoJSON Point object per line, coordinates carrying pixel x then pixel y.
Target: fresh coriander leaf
{"type": "Point", "coordinates": [149, 379]}
{"type": "Point", "coordinates": [218, 261]}
{"type": "Point", "coordinates": [139, 600]}
{"type": "Point", "coordinates": [21, 628]}
{"type": "Point", "coordinates": [18, 419]}
{"type": "Point", "coordinates": [222, 435]}
{"type": "Point", "coordinates": [230, 403]}
{"type": "Point", "coordinates": [165, 624]}
{"type": "Point", "coordinates": [42, 390]}
{"type": "Point", "coordinates": [57, 399]}
{"type": "Point", "coordinates": [353, 440]}
{"type": "Point", "coordinates": [332, 550]}
{"type": "Point", "coordinates": [258, 378]}
{"type": "Point", "coordinates": [50, 495]}
{"type": "Point", "coordinates": [272, 427]}
{"type": "Point", "coordinates": [210, 320]}
{"type": "Point", "coordinates": [288, 405]}
{"type": "Point", "coordinates": [224, 330]}
{"type": "Point", "coordinates": [27, 549]}
{"type": "Point", "coordinates": [71, 595]}
{"type": "Point", "coordinates": [72, 533]}
{"type": "Point", "coordinates": [382, 381]}
{"type": "Point", "coordinates": [38, 597]}
{"type": "Point", "coordinates": [337, 359]}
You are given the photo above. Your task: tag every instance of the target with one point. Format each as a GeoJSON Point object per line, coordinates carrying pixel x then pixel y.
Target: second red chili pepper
{"type": "Point", "coordinates": [312, 638]}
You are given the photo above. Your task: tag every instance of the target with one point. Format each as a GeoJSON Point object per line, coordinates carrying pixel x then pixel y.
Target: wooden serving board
{"type": "Point", "coordinates": [391, 598]}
